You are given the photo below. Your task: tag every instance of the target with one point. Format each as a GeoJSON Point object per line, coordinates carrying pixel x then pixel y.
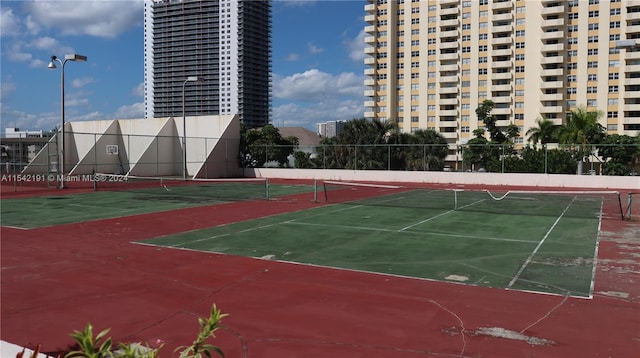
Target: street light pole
{"type": "Point", "coordinates": [76, 58]}
{"type": "Point", "coordinates": [184, 125]}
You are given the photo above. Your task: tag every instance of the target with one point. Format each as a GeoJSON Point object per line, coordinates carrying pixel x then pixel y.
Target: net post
{"type": "Point", "coordinates": [629, 202]}
{"type": "Point", "coordinates": [95, 182]}
{"type": "Point", "coordinates": [315, 190]}
{"type": "Point", "coordinates": [455, 200]}
{"type": "Point", "coordinates": [266, 187]}
{"type": "Point", "coordinates": [324, 185]}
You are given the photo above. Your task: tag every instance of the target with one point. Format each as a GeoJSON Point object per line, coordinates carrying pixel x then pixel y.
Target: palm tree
{"type": "Point", "coordinates": [580, 130]}
{"type": "Point", "coordinates": [544, 133]}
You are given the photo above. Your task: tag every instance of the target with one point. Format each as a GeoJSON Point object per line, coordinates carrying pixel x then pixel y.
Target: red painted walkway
{"type": "Point", "coordinates": [57, 279]}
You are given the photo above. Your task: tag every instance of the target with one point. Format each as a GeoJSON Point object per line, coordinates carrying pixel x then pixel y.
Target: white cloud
{"type": "Point", "coordinates": [87, 17]}
{"type": "Point", "coordinates": [317, 96]}
{"type": "Point", "coordinates": [45, 43]}
{"type": "Point", "coordinates": [81, 82]}
{"type": "Point", "coordinates": [135, 110]}
{"type": "Point", "coordinates": [292, 57]}
{"type": "Point", "coordinates": [355, 47]}
{"type": "Point", "coordinates": [138, 91]}
{"type": "Point", "coordinates": [314, 85]}
{"type": "Point", "coordinates": [9, 25]}
{"type": "Point", "coordinates": [7, 86]}
{"type": "Point", "coordinates": [314, 49]}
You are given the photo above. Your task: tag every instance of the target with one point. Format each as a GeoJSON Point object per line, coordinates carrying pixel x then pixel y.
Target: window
{"type": "Point", "coordinates": [593, 39]}
{"type": "Point", "coordinates": [572, 40]}
{"type": "Point", "coordinates": [612, 102]}
{"type": "Point", "coordinates": [592, 103]}
{"type": "Point", "coordinates": [464, 129]}
{"type": "Point", "coordinates": [592, 51]}
{"type": "Point", "coordinates": [592, 77]}
{"type": "Point", "coordinates": [466, 49]}
{"type": "Point", "coordinates": [482, 60]}
{"type": "Point", "coordinates": [520, 45]}
{"type": "Point", "coordinates": [467, 15]}
{"type": "Point", "coordinates": [594, 13]}
{"type": "Point", "coordinates": [415, 53]}
{"type": "Point", "coordinates": [612, 127]}
{"type": "Point", "coordinates": [483, 13]}
{"type": "Point", "coordinates": [614, 11]}
{"type": "Point", "coordinates": [431, 118]}
{"type": "Point", "coordinates": [520, 57]}
{"type": "Point", "coordinates": [614, 24]}
{"type": "Point", "coordinates": [592, 64]}
{"type": "Point", "coordinates": [415, 75]}
{"type": "Point", "coordinates": [571, 78]}
{"type": "Point", "coordinates": [482, 48]}
{"type": "Point", "coordinates": [415, 21]}
{"type": "Point", "coordinates": [431, 41]}
{"type": "Point", "coordinates": [613, 89]}
{"type": "Point", "coordinates": [417, 64]}
{"type": "Point", "coordinates": [614, 63]}
{"type": "Point", "coordinates": [614, 76]}
{"type": "Point", "coordinates": [592, 89]}
{"type": "Point", "coordinates": [482, 71]}
{"type": "Point", "coordinates": [594, 26]}
{"type": "Point", "coordinates": [414, 119]}
{"type": "Point", "coordinates": [520, 33]}
{"type": "Point", "coordinates": [572, 28]}
{"type": "Point", "coordinates": [612, 114]}
{"type": "Point", "coordinates": [466, 83]}
{"type": "Point", "coordinates": [481, 37]}
{"type": "Point", "coordinates": [614, 37]}
{"type": "Point", "coordinates": [431, 52]}
{"type": "Point", "coordinates": [466, 95]}
{"type": "Point", "coordinates": [519, 81]}
{"type": "Point", "coordinates": [466, 26]}
{"type": "Point", "coordinates": [573, 16]}
{"type": "Point", "coordinates": [571, 90]}
{"type": "Point", "coordinates": [572, 53]}
{"type": "Point", "coordinates": [483, 25]}
{"type": "Point", "coordinates": [519, 105]}
{"type": "Point", "coordinates": [572, 66]}
{"type": "Point", "coordinates": [519, 69]}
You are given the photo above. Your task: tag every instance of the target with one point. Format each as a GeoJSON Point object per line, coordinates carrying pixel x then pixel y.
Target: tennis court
{"type": "Point", "coordinates": [117, 196]}
{"type": "Point", "coordinates": [544, 242]}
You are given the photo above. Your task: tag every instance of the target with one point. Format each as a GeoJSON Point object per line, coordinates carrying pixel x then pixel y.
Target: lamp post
{"type": "Point", "coordinates": [75, 58]}
{"type": "Point", "coordinates": [184, 125]}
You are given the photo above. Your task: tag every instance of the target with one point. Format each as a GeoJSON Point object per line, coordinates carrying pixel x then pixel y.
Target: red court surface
{"type": "Point", "coordinates": [56, 279]}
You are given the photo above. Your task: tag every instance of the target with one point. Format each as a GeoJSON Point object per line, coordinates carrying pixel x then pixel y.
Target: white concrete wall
{"type": "Point", "coordinates": [595, 182]}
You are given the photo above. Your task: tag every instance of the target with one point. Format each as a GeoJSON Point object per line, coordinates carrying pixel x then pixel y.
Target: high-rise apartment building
{"type": "Point", "coordinates": [432, 63]}
{"type": "Point", "coordinates": [227, 43]}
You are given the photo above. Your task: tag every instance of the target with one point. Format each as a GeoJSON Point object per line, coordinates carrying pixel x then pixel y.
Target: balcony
{"type": "Point", "coordinates": [501, 76]}
{"type": "Point", "coordinates": [449, 135]}
{"type": "Point", "coordinates": [448, 90]}
{"type": "Point", "coordinates": [448, 2]}
{"type": "Point", "coordinates": [632, 107]}
{"type": "Point", "coordinates": [369, 93]}
{"type": "Point", "coordinates": [551, 109]}
{"type": "Point", "coordinates": [552, 72]}
{"type": "Point", "coordinates": [632, 95]}
{"type": "Point", "coordinates": [550, 60]}
{"type": "Point", "coordinates": [632, 55]}
{"type": "Point", "coordinates": [370, 8]}
{"type": "Point", "coordinates": [370, 18]}
{"type": "Point", "coordinates": [500, 88]}
{"type": "Point", "coordinates": [369, 71]}
{"type": "Point", "coordinates": [501, 111]}
{"type": "Point", "coordinates": [448, 56]}
{"type": "Point", "coordinates": [632, 68]}
{"type": "Point", "coordinates": [501, 40]}
{"type": "Point", "coordinates": [448, 124]}
{"type": "Point", "coordinates": [448, 101]}
{"type": "Point", "coordinates": [631, 120]}
{"type": "Point", "coordinates": [449, 11]}
{"type": "Point", "coordinates": [369, 60]}
{"type": "Point", "coordinates": [632, 81]}
{"type": "Point", "coordinates": [446, 79]}
{"type": "Point", "coordinates": [503, 52]}
{"type": "Point", "coordinates": [502, 64]}
{"type": "Point", "coordinates": [370, 40]}
{"type": "Point", "coordinates": [553, 47]}
{"type": "Point", "coordinates": [369, 104]}
{"type": "Point", "coordinates": [447, 23]}
{"type": "Point", "coordinates": [450, 33]}
{"type": "Point", "coordinates": [370, 50]}
{"type": "Point", "coordinates": [552, 35]}
{"type": "Point", "coordinates": [503, 5]}
{"type": "Point", "coordinates": [503, 28]}
{"type": "Point", "coordinates": [449, 45]}
{"type": "Point", "coordinates": [633, 29]}
{"type": "Point", "coordinates": [369, 115]}
{"type": "Point", "coordinates": [551, 84]}
{"type": "Point", "coordinates": [369, 82]}
{"type": "Point", "coordinates": [552, 23]}
{"type": "Point", "coordinates": [552, 97]}
{"type": "Point", "coordinates": [453, 67]}
{"type": "Point", "coordinates": [552, 10]}
{"type": "Point", "coordinates": [448, 112]}
{"type": "Point", "coordinates": [501, 99]}
{"type": "Point", "coordinates": [370, 29]}
{"type": "Point", "coordinates": [502, 17]}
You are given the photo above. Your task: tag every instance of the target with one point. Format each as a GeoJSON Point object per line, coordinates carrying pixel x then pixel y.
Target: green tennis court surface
{"type": "Point", "coordinates": [134, 198]}
{"type": "Point", "coordinates": [544, 243]}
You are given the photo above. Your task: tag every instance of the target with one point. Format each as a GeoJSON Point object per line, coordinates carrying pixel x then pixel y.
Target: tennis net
{"type": "Point", "coordinates": [580, 204]}
{"type": "Point", "coordinates": [184, 190]}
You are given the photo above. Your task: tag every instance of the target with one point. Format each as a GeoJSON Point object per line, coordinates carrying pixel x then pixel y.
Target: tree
{"type": "Point", "coordinates": [545, 132]}
{"type": "Point", "coordinates": [620, 153]}
{"type": "Point", "coordinates": [580, 132]}
{"type": "Point", "coordinates": [262, 145]}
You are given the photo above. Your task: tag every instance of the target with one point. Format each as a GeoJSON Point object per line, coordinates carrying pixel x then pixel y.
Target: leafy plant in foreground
{"type": "Point", "coordinates": [208, 326]}
{"type": "Point", "coordinates": [90, 347]}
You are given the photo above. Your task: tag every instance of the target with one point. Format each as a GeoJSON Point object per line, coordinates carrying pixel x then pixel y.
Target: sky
{"type": "Point", "coordinates": [317, 61]}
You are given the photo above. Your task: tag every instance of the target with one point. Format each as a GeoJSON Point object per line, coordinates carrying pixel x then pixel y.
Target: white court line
{"type": "Point", "coordinates": [526, 263]}
{"type": "Point", "coordinates": [439, 215]}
